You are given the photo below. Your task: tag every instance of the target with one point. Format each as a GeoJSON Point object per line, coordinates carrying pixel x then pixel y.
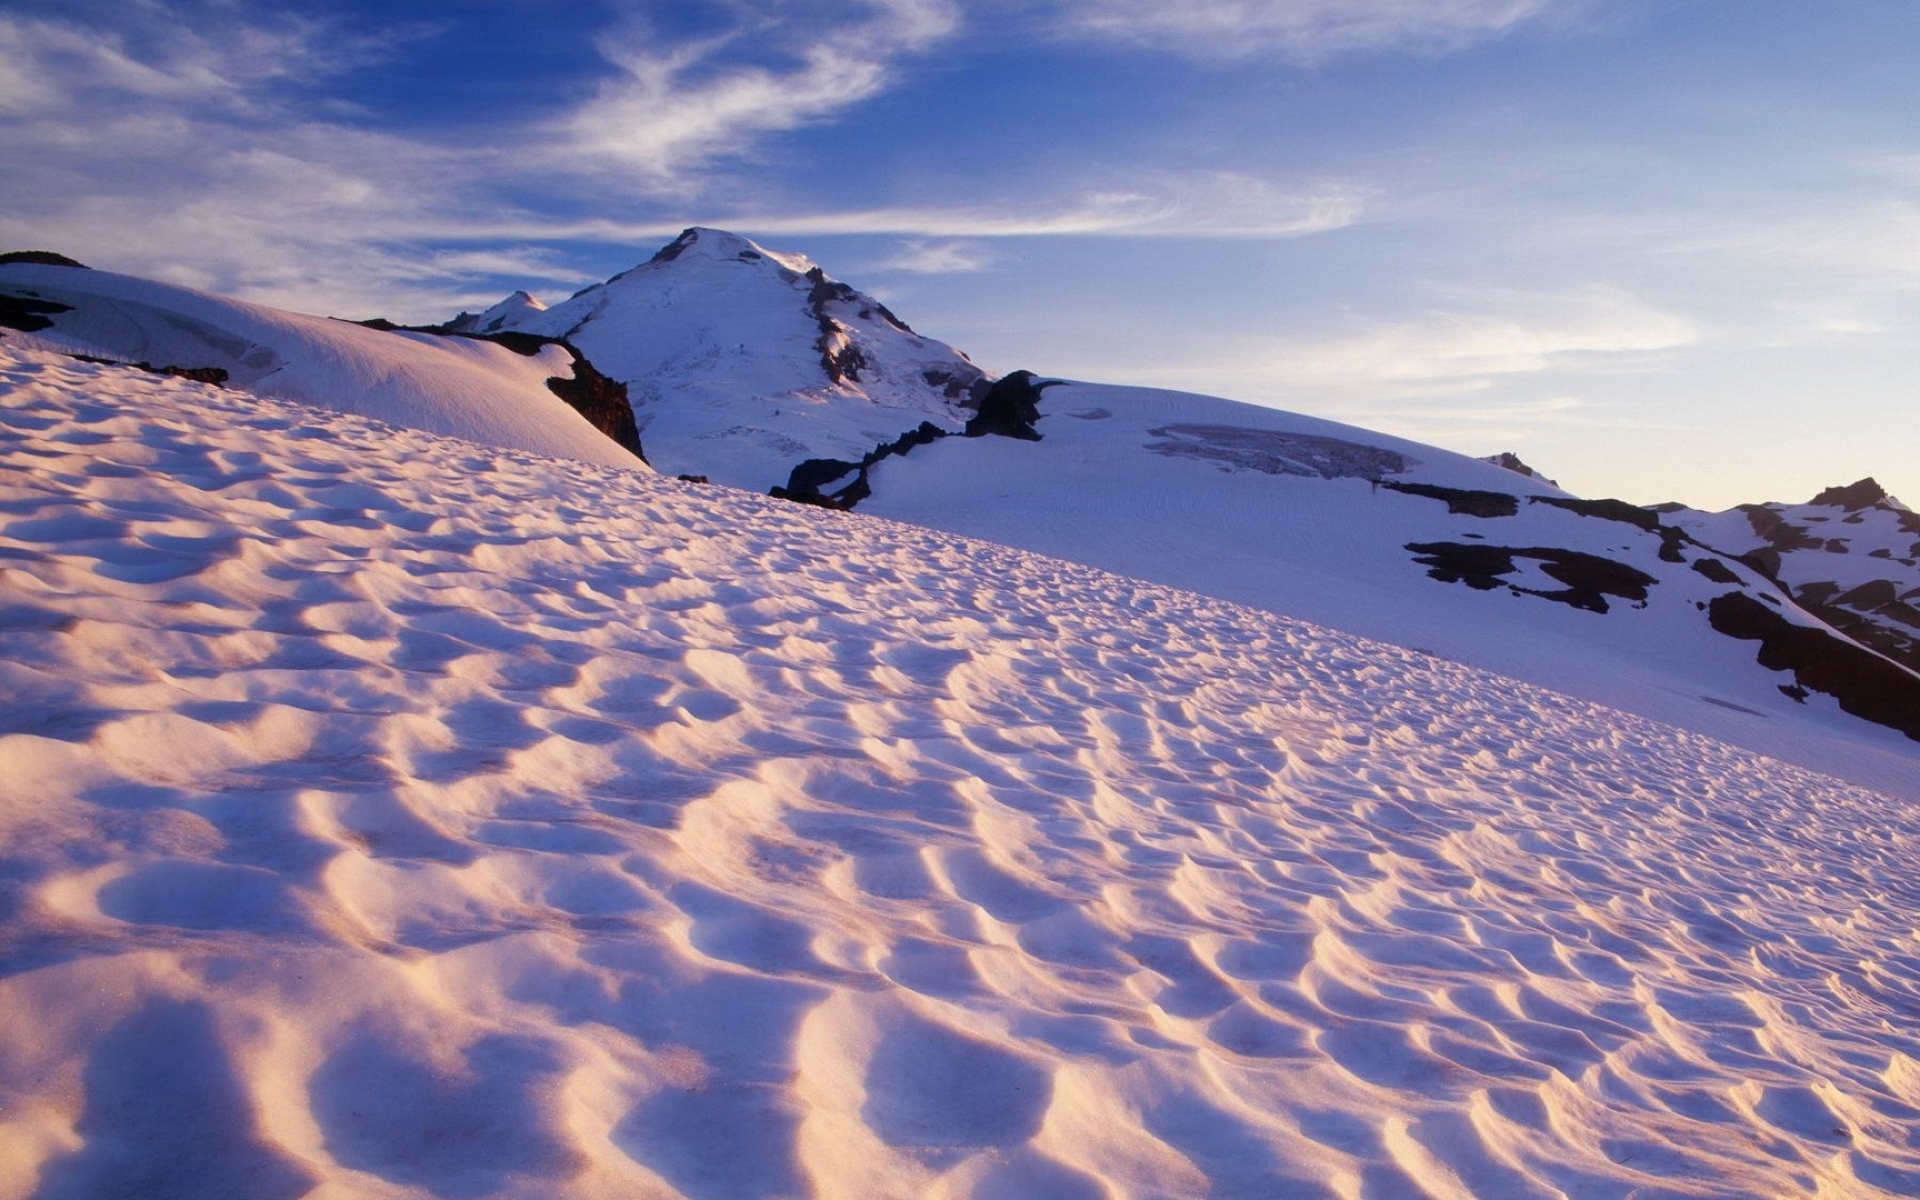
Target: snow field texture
{"type": "Point", "coordinates": [384, 815]}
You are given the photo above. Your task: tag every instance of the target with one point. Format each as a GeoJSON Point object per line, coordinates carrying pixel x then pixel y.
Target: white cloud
{"type": "Point", "coordinates": [674, 109]}
{"type": "Point", "coordinates": [1306, 31]}
{"type": "Point", "coordinates": [1148, 204]}
{"type": "Point", "coordinates": [1476, 341]}
{"type": "Point", "coordinates": [919, 257]}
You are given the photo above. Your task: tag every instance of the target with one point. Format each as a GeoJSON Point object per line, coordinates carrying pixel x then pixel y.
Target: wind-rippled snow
{"type": "Point", "coordinates": [385, 815]}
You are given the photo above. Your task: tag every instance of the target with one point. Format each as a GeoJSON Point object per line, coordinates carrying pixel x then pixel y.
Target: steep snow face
{"type": "Point", "coordinates": [1387, 538]}
{"type": "Point", "coordinates": [1851, 554]}
{"type": "Point", "coordinates": [456, 386]}
{"type": "Point", "coordinates": [508, 314]}
{"type": "Point", "coordinates": [743, 363]}
{"type": "Point", "coordinates": [386, 816]}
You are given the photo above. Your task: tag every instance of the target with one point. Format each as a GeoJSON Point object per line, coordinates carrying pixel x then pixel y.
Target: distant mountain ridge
{"type": "Point", "coordinates": [1851, 555]}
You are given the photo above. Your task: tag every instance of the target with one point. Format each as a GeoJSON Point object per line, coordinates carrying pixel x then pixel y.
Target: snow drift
{"type": "Point", "coordinates": [387, 815]}
{"type": "Point", "coordinates": [462, 387]}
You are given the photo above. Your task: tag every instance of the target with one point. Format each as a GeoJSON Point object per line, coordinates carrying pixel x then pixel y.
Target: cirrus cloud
{"type": "Point", "coordinates": [1306, 31]}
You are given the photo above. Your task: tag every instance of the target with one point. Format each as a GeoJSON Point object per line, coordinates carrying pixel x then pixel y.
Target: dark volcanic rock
{"type": "Point", "coordinates": [29, 314]}
{"type": "Point", "coordinates": [1865, 684]}
{"type": "Point", "coordinates": [1508, 460]}
{"type": "Point", "coordinates": [675, 248]}
{"type": "Point", "coordinates": [601, 400]}
{"type": "Point", "coordinates": [1589, 578]}
{"type": "Point", "coordinates": [1606, 510]}
{"type": "Point", "coordinates": [840, 358]}
{"type": "Point", "coordinates": [1855, 496]}
{"type": "Point", "coordinates": [806, 480]}
{"type": "Point", "coordinates": [1468, 502]}
{"type": "Point", "coordinates": [44, 258]}
{"type": "Point", "coordinates": [217, 376]}
{"type": "Point", "coordinates": [1011, 406]}
{"type": "Point", "coordinates": [1715, 570]}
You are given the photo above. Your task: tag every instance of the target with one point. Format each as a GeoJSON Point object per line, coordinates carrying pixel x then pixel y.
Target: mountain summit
{"type": "Point", "coordinates": [720, 339]}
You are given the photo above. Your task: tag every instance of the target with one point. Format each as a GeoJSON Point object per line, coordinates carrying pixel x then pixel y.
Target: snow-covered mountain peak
{"type": "Point", "coordinates": [743, 362]}
{"type": "Point", "coordinates": [504, 315]}
{"type": "Point", "coordinates": [718, 245]}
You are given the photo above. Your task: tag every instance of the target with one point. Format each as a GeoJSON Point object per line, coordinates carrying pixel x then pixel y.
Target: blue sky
{"type": "Point", "coordinates": [1664, 249]}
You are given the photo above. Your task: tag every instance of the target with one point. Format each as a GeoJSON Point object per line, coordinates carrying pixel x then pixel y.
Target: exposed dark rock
{"type": "Point", "coordinates": [1590, 579]}
{"type": "Point", "coordinates": [886, 314]}
{"type": "Point", "coordinates": [952, 384]}
{"type": "Point", "coordinates": [805, 482]}
{"type": "Point", "coordinates": [601, 400]}
{"type": "Point", "coordinates": [1510, 461]}
{"type": "Point", "coordinates": [44, 258]}
{"type": "Point", "coordinates": [1011, 406]}
{"type": "Point", "coordinates": [1864, 683]}
{"type": "Point", "coordinates": [217, 376]}
{"type": "Point", "coordinates": [692, 478]}
{"type": "Point", "coordinates": [1715, 570]}
{"type": "Point", "coordinates": [1672, 538]}
{"type": "Point", "coordinates": [1777, 531]}
{"type": "Point", "coordinates": [29, 314]}
{"type": "Point", "coordinates": [676, 247]}
{"type": "Point", "coordinates": [1606, 510]}
{"type": "Point", "coordinates": [1855, 496]}
{"type": "Point", "coordinates": [1468, 502]}
{"type": "Point", "coordinates": [839, 356]}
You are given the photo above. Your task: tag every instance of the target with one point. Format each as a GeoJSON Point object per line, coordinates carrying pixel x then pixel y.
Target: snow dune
{"type": "Point", "coordinates": [384, 815]}
{"type": "Point", "coordinates": [456, 386]}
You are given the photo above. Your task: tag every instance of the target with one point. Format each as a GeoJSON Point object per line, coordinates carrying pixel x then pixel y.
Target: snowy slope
{"type": "Point", "coordinates": [1381, 537]}
{"type": "Point", "coordinates": [742, 362]}
{"type": "Point", "coordinates": [1852, 554]}
{"type": "Point", "coordinates": [384, 816]}
{"type": "Point", "coordinates": [720, 343]}
{"type": "Point", "coordinates": [455, 386]}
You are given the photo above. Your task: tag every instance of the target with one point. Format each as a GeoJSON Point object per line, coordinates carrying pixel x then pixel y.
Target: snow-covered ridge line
{"type": "Point", "coordinates": [1850, 555]}
{"type": "Point", "coordinates": [518, 396]}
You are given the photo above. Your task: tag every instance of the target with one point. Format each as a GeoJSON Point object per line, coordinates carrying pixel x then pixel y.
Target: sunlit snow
{"type": "Point", "coordinates": [388, 815]}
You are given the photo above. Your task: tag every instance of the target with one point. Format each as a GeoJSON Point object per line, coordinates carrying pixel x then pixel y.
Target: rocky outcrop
{"type": "Point", "coordinates": [1672, 538]}
{"type": "Point", "coordinates": [217, 376]}
{"type": "Point", "coordinates": [1466, 502]}
{"type": "Point", "coordinates": [1854, 496]}
{"type": "Point", "coordinates": [29, 314]}
{"type": "Point", "coordinates": [1589, 578]}
{"type": "Point", "coordinates": [601, 400]}
{"type": "Point", "coordinates": [44, 258]}
{"type": "Point", "coordinates": [1011, 407]}
{"type": "Point", "coordinates": [1508, 460]}
{"type": "Point", "coordinates": [1862, 682]}
{"type": "Point", "coordinates": [806, 481]}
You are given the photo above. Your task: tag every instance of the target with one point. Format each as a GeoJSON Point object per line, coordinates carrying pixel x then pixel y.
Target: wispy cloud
{"type": "Point", "coordinates": [1148, 203]}
{"type": "Point", "coordinates": [1305, 31]}
{"type": "Point", "coordinates": [1476, 340]}
{"type": "Point", "coordinates": [676, 108]}
{"type": "Point", "coordinates": [920, 257]}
